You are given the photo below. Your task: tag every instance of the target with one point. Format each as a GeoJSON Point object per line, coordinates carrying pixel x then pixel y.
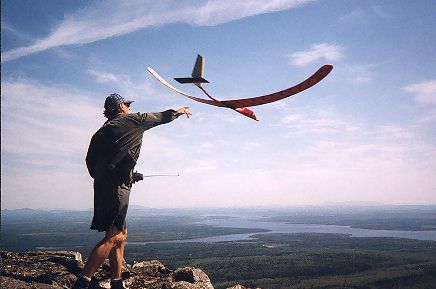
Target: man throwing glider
{"type": "Point", "coordinates": [111, 158]}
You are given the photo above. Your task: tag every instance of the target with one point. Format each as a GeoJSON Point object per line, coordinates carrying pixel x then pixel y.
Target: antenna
{"type": "Point", "coordinates": [151, 176]}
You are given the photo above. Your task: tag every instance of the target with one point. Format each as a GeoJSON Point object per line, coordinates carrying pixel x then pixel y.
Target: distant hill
{"type": "Point", "coordinates": [353, 204]}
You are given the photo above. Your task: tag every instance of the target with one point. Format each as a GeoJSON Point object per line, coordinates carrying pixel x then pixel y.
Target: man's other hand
{"type": "Point", "coordinates": [184, 110]}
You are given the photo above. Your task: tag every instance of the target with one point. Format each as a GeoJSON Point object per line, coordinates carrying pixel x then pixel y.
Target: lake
{"type": "Point", "coordinates": [286, 228]}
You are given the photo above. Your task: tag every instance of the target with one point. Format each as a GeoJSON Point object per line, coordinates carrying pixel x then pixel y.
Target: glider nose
{"type": "Point", "coordinates": [247, 112]}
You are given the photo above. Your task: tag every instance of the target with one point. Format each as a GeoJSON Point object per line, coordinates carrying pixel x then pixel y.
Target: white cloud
{"type": "Point", "coordinates": [105, 77]}
{"type": "Point", "coordinates": [327, 52]}
{"type": "Point", "coordinates": [425, 92]}
{"type": "Point", "coordinates": [324, 121]}
{"type": "Point", "coordinates": [366, 16]}
{"type": "Point", "coordinates": [393, 132]}
{"type": "Point", "coordinates": [381, 12]}
{"type": "Point", "coordinates": [45, 120]}
{"type": "Point", "coordinates": [292, 118]}
{"type": "Point", "coordinates": [360, 74]}
{"type": "Point", "coordinates": [133, 89]}
{"type": "Point", "coordinates": [106, 19]}
{"type": "Point", "coordinates": [45, 135]}
{"type": "Point", "coordinates": [386, 163]}
{"type": "Point", "coordinates": [206, 147]}
{"type": "Point", "coordinates": [355, 15]}
{"type": "Point", "coordinates": [335, 138]}
{"type": "Point", "coordinates": [6, 27]}
{"type": "Point", "coordinates": [217, 12]}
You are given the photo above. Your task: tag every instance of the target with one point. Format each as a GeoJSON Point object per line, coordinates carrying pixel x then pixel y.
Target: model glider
{"type": "Point", "coordinates": [240, 105]}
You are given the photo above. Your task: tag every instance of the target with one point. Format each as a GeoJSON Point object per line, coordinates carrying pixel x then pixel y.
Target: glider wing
{"type": "Point", "coordinates": [319, 75]}
{"type": "Point", "coordinates": [268, 98]}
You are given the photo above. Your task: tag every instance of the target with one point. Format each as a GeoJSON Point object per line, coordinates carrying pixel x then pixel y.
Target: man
{"type": "Point", "coordinates": [111, 158]}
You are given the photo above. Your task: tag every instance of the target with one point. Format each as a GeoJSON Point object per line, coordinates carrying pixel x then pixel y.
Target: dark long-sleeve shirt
{"type": "Point", "coordinates": [120, 139]}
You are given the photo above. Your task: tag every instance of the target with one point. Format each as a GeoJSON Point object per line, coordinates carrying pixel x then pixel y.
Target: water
{"type": "Point", "coordinates": [282, 227]}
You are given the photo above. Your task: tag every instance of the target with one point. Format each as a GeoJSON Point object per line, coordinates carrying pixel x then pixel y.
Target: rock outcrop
{"type": "Point", "coordinates": [59, 269]}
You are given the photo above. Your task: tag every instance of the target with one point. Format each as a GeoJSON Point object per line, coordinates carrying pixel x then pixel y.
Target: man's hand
{"type": "Point", "coordinates": [136, 177]}
{"type": "Point", "coordinates": [184, 110]}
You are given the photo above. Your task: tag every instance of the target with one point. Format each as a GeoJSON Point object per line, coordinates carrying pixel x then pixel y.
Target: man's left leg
{"type": "Point", "coordinates": [116, 257]}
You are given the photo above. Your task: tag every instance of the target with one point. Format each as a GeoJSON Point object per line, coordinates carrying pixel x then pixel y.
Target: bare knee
{"type": "Point", "coordinates": [122, 236]}
{"type": "Point", "coordinates": [116, 238]}
{"type": "Point", "coordinates": [120, 239]}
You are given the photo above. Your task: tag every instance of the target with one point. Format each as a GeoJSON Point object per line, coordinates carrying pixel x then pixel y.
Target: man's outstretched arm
{"type": "Point", "coordinates": [152, 119]}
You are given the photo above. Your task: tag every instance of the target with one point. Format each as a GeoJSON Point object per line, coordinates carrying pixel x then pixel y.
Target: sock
{"type": "Point", "coordinates": [116, 279]}
{"type": "Point", "coordinates": [117, 283]}
{"type": "Point", "coordinates": [86, 278]}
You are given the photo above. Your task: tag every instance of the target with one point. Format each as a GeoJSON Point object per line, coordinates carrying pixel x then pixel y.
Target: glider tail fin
{"type": "Point", "coordinates": [198, 67]}
{"type": "Point", "coordinates": [197, 73]}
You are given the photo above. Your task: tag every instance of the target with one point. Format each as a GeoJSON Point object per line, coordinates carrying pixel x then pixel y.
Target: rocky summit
{"type": "Point", "coordinates": [59, 269]}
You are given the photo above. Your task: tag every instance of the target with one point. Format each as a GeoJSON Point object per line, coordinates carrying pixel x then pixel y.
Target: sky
{"type": "Point", "coordinates": [366, 133]}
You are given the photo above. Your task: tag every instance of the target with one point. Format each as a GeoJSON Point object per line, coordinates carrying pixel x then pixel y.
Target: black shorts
{"type": "Point", "coordinates": [111, 200]}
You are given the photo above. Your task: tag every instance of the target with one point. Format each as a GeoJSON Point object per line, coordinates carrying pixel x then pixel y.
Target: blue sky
{"type": "Point", "coordinates": [365, 133]}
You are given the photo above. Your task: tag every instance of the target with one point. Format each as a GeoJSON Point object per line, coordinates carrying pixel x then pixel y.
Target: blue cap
{"type": "Point", "coordinates": [113, 100]}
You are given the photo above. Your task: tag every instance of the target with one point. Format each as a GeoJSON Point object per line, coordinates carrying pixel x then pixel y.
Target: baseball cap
{"type": "Point", "coordinates": [113, 100]}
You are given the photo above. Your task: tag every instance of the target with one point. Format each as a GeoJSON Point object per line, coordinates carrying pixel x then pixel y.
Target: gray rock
{"type": "Point", "coordinates": [59, 269]}
{"type": "Point", "coordinates": [237, 287]}
{"type": "Point", "coordinates": [193, 276]}
{"type": "Point", "coordinates": [11, 283]}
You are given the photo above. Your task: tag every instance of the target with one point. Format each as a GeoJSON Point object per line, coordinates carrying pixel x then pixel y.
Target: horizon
{"type": "Point", "coordinates": [260, 207]}
{"type": "Point", "coordinates": [364, 133]}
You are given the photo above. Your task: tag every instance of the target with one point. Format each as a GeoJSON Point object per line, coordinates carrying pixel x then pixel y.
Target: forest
{"type": "Point", "coordinates": [266, 260]}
